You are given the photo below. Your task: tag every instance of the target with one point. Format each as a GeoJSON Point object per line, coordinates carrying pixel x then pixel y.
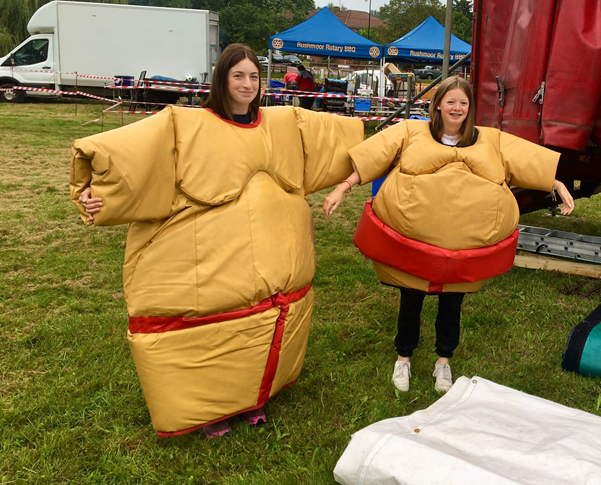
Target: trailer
{"type": "Point", "coordinates": [536, 71]}
{"type": "Point", "coordinates": [85, 47]}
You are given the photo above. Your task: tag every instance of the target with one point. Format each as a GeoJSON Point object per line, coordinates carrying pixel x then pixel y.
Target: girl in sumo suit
{"type": "Point", "coordinates": [444, 219]}
{"type": "Point", "coordinates": [220, 254]}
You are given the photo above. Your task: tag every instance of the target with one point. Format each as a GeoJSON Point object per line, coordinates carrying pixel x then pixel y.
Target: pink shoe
{"type": "Point", "coordinates": [254, 417]}
{"type": "Point", "coordinates": [216, 429]}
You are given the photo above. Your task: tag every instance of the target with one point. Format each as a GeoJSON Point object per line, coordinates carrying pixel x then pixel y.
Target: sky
{"type": "Point", "coordinates": [353, 4]}
{"type": "Point", "coordinates": [356, 4]}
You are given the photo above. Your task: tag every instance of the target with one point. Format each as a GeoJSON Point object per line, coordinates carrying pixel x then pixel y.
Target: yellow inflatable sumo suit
{"type": "Point", "coordinates": [445, 220]}
{"type": "Point", "coordinates": [220, 254]}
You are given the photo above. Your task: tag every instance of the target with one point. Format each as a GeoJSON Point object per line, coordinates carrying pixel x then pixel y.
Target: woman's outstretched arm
{"type": "Point", "coordinates": [334, 198]}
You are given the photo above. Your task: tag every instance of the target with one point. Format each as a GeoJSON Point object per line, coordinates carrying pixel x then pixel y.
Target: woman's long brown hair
{"type": "Point", "coordinates": [469, 124]}
{"type": "Point", "coordinates": [219, 96]}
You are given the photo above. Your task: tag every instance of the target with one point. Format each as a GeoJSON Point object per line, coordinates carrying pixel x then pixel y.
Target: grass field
{"type": "Point", "coordinates": [71, 408]}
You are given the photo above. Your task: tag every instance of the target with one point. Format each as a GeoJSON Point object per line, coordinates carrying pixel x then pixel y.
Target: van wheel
{"type": "Point", "coordinates": [11, 96]}
{"type": "Point", "coordinates": [152, 101]}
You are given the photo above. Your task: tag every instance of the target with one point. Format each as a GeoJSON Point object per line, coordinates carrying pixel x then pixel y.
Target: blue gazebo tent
{"type": "Point", "coordinates": [425, 45]}
{"type": "Point", "coordinates": [325, 35]}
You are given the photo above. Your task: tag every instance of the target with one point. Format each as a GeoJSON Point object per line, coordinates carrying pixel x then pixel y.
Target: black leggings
{"type": "Point", "coordinates": [447, 322]}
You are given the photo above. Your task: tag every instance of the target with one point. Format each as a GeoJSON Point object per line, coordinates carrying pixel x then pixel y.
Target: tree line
{"type": "Point", "coordinates": [254, 21]}
{"type": "Point", "coordinates": [402, 16]}
{"type": "Point", "coordinates": [249, 21]}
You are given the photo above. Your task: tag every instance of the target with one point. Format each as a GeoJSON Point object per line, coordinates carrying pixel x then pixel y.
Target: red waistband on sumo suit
{"type": "Point", "coordinates": [280, 300]}
{"type": "Point", "coordinates": [383, 244]}
{"type": "Point", "coordinates": [168, 324]}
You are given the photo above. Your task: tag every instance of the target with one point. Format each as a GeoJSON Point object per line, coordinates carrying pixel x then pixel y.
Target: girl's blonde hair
{"type": "Point", "coordinates": [468, 126]}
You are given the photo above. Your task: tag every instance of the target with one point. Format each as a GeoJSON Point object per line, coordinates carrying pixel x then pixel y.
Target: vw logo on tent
{"type": "Point", "coordinates": [374, 52]}
{"type": "Point", "coordinates": [393, 51]}
{"type": "Point", "coordinates": [277, 43]}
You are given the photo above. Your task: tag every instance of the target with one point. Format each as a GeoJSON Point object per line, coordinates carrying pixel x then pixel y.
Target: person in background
{"type": "Point", "coordinates": [444, 220]}
{"type": "Point", "coordinates": [290, 77]}
{"type": "Point", "coordinates": [305, 82]}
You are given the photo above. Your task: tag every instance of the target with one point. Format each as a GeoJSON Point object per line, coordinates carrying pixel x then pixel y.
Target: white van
{"type": "Point", "coordinates": [102, 41]}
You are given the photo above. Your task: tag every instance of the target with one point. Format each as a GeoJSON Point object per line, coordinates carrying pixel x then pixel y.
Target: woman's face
{"type": "Point", "coordinates": [453, 107]}
{"type": "Point", "coordinates": [242, 85]}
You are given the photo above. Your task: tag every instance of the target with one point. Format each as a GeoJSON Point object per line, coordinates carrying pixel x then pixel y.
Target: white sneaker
{"type": "Point", "coordinates": [401, 375]}
{"type": "Point", "coordinates": [444, 379]}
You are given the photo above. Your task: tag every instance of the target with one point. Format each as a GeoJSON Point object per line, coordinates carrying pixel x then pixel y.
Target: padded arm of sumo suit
{"type": "Point", "coordinates": [131, 168]}
{"type": "Point", "coordinates": [326, 141]}
{"type": "Point", "coordinates": [375, 156]}
{"type": "Point", "coordinates": [527, 164]}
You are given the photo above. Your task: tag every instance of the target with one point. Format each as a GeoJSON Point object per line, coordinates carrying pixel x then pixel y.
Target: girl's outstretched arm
{"type": "Point", "coordinates": [334, 198]}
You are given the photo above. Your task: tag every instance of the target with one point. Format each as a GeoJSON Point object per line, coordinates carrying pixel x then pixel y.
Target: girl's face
{"type": "Point", "coordinates": [242, 85]}
{"type": "Point", "coordinates": [453, 108]}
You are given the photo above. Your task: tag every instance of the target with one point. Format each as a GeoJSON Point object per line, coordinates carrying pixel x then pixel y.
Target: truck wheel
{"type": "Point", "coordinates": [171, 98]}
{"type": "Point", "coordinates": [430, 76]}
{"type": "Point", "coordinates": [151, 101]}
{"type": "Point", "coordinates": [156, 101]}
{"type": "Point", "coordinates": [11, 96]}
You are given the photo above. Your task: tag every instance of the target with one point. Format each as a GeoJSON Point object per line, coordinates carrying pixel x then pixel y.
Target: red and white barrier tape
{"type": "Point", "coordinates": [371, 118]}
{"type": "Point", "coordinates": [166, 88]}
{"type": "Point", "coordinates": [45, 71]}
{"type": "Point", "coordinates": [90, 76]}
{"type": "Point", "coordinates": [113, 106]}
{"type": "Point", "coordinates": [312, 95]}
{"type": "Point", "coordinates": [150, 82]}
{"type": "Point", "coordinates": [361, 118]}
{"type": "Point", "coordinates": [54, 91]}
{"type": "Point", "coordinates": [170, 83]}
{"type": "Point", "coordinates": [80, 93]}
{"type": "Point", "coordinates": [294, 92]}
{"type": "Point", "coordinates": [135, 112]}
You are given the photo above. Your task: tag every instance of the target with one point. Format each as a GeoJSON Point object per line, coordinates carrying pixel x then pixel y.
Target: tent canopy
{"type": "Point", "coordinates": [425, 44]}
{"type": "Point", "coordinates": [325, 35]}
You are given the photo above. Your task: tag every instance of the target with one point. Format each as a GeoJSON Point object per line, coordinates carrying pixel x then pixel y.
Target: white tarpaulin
{"type": "Point", "coordinates": [479, 433]}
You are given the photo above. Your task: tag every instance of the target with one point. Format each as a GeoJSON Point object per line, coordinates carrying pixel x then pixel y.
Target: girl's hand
{"type": "Point", "coordinates": [333, 199]}
{"type": "Point", "coordinates": [92, 206]}
{"type": "Point", "coordinates": [566, 197]}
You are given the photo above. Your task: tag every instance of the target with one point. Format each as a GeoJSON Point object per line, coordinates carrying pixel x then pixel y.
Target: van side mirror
{"type": "Point", "coordinates": [12, 59]}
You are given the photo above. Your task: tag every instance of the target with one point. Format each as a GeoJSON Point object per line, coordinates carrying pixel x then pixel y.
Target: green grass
{"type": "Point", "coordinates": [71, 408]}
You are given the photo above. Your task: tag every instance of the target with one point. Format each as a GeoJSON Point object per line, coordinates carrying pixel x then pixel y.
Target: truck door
{"type": "Point", "coordinates": [32, 63]}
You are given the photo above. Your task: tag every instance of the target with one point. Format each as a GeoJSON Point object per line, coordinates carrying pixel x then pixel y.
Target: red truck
{"type": "Point", "coordinates": [536, 73]}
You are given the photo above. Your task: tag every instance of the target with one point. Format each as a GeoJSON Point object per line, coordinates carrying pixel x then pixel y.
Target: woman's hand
{"type": "Point", "coordinates": [333, 199]}
{"type": "Point", "coordinates": [92, 206]}
{"type": "Point", "coordinates": [566, 197]}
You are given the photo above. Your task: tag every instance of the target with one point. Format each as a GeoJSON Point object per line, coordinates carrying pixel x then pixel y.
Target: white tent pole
{"type": "Point", "coordinates": [448, 26]}
{"type": "Point", "coordinates": [269, 70]}
{"type": "Point", "coordinates": [382, 84]}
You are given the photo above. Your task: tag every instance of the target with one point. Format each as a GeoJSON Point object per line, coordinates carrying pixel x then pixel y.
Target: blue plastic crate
{"type": "Point", "coordinates": [362, 104]}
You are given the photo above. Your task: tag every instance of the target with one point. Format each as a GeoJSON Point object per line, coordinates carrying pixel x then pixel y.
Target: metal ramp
{"type": "Point", "coordinates": [559, 243]}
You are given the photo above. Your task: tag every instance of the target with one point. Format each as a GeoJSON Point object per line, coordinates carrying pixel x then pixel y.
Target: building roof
{"type": "Point", "coordinates": [353, 19]}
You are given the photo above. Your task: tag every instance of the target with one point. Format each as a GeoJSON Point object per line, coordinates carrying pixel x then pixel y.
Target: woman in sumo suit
{"type": "Point", "coordinates": [220, 253]}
